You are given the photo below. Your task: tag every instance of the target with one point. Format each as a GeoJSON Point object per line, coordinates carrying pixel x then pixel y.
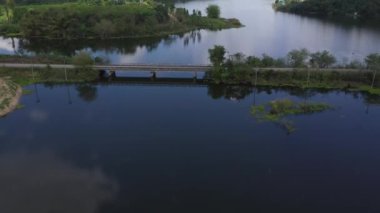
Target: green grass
{"type": "Point", "coordinates": [27, 92]}
{"type": "Point", "coordinates": [20, 106]}
{"type": "Point", "coordinates": [215, 24]}
{"type": "Point", "coordinates": [277, 111]}
{"type": "Point", "coordinates": [25, 77]}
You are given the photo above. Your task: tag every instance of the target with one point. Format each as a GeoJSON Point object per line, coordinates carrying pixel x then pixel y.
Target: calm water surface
{"type": "Point", "coordinates": [115, 147]}
{"type": "Point", "coordinates": [186, 148]}
{"type": "Point", "coordinates": [266, 31]}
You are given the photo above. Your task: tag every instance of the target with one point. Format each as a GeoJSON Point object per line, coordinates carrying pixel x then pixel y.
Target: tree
{"type": "Point", "coordinates": [87, 92]}
{"type": "Point", "coordinates": [83, 60]}
{"type": "Point", "coordinates": [267, 61]}
{"type": "Point", "coordinates": [322, 59]}
{"type": "Point", "coordinates": [162, 13]}
{"type": "Point", "coordinates": [217, 55]}
{"type": "Point", "coordinates": [213, 11]}
{"type": "Point", "coordinates": [254, 61]}
{"type": "Point", "coordinates": [373, 63]}
{"type": "Point", "coordinates": [9, 8]}
{"type": "Point", "coordinates": [297, 58]}
{"type": "Point", "coordinates": [104, 28]}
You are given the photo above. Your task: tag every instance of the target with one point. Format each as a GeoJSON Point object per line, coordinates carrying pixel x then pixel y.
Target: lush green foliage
{"type": "Point", "coordinates": [217, 55]}
{"type": "Point", "coordinates": [366, 9]}
{"type": "Point", "coordinates": [213, 11]}
{"type": "Point", "coordinates": [322, 59]}
{"type": "Point", "coordinates": [90, 20]}
{"type": "Point", "coordinates": [297, 58]}
{"type": "Point", "coordinates": [276, 111]}
{"type": "Point", "coordinates": [83, 60]}
{"type": "Point", "coordinates": [373, 61]}
{"type": "Point", "coordinates": [300, 71]}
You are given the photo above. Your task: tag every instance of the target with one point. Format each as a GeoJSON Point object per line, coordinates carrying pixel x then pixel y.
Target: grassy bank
{"type": "Point", "coordinates": [10, 94]}
{"type": "Point", "coordinates": [37, 59]}
{"type": "Point", "coordinates": [303, 79]}
{"type": "Point", "coordinates": [25, 77]}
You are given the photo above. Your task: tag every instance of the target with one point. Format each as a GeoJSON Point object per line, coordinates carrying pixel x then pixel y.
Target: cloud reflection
{"type": "Point", "coordinates": [38, 116]}
{"type": "Point", "coordinates": [44, 183]}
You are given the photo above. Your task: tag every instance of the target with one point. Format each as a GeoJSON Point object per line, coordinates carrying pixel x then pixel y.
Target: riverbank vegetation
{"type": "Point", "coordinates": [299, 68]}
{"type": "Point", "coordinates": [278, 111]}
{"type": "Point", "coordinates": [80, 58]}
{"type": "Point", "coordinates": [362, 9]}
{"type": "Point", "coordinates": [10, 94]}
{"type": "Point", "coordinates": [105, 19]}
{"type": "Point", "coordinates": [82, 72]}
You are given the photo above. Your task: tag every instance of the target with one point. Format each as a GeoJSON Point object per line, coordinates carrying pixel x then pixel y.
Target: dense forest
{"type": "Point", "coordinates": [104, 19]}
{"type": "Point", "coordinates": [363, 9]}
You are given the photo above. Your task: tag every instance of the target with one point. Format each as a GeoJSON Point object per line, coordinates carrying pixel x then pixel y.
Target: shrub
{"type": "Point", "coordinates": [83, 60]}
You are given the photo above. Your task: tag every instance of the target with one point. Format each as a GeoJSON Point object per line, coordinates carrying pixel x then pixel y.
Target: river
{"type": "Point", "coordinates": [265, 31]}
{"type": "Point", "coordinates": [186, 148]}
{"type": "Point", "coordinates": [179, 146]}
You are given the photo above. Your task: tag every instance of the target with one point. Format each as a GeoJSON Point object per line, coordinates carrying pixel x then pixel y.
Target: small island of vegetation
{"type": "Point", "coordinates": [362, 9]}
{"type": "Point", "coordinates": [277, 111]}
{"type": "Point", "coordinates": [105, 19]}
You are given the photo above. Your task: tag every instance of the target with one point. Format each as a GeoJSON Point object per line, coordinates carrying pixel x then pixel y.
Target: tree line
{"type": "Point", "coordinates": [238, 68]}
{"type": "Point", "coordinates": [79, 20]}
{"type": "Point", "coordinates": [364, 9]}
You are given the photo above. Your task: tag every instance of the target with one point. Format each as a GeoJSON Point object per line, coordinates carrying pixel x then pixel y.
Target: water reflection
{"type": "Point", "coordinates": [87, 92]}
{"type": "Point", "coordinates": [98, 47]}
{"type": "Point", "coordinates": [42, 182]}
{"type": "Point", "coordinates": [230, 92]}
{"type": "Point", "coordinates": [70, 47]}
{"type": "Point", "coordinates": [173, 148]}
{"type": "Point", "coordinates": [265, 31]}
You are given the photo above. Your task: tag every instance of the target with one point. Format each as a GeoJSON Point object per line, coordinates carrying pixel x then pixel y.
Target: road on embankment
{"type": "Point", "coordinates": [158, 68]}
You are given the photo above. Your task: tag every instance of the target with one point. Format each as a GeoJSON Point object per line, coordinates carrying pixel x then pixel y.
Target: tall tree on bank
{"type": "Point", "coordinates": [217, 55]}
{"type": "Point", "coordinates": [373, 63]}
{"type": "Point", "coordinates": [9, 8]}
{"type": "Point", "coordinates": [322, 59]}
{"type": "Point", "coordinates": [297, 58]}
{"type": "Point", "coordinates": [213, 11]}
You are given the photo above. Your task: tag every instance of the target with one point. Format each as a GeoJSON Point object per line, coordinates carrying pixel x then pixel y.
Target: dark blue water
{"type": "Point", "coordinates": [190, 148]}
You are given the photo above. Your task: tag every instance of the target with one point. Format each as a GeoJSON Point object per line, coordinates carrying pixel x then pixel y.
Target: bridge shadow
{"type": "Point", "coordinates": [152, 80]}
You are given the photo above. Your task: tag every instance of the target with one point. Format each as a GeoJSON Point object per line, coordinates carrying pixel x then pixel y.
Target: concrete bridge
{"type": "Point", "coordinates": [114, 67]}
{"type": "Point", "coordinates": [162, 68]}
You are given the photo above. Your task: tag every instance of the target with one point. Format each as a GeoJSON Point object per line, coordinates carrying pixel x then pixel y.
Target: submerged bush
{"type": "Point", "coordinates": [276, 111]}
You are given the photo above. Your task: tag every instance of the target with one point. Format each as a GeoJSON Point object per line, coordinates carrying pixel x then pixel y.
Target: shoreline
{"type": "Point", "coordinates": [9, 97]}
{"type": "Point", "coordinates": [186, 29]}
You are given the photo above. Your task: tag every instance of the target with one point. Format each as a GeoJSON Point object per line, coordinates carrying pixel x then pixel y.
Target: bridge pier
{"type": "Point", "coordinates": [154, 76]}
{"type": "Point", "coordinates": [112, 74]}
{"type": "Point", "coordinates": [102, 73]}
{"type": "Point", "coordinates": [195, 77]}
